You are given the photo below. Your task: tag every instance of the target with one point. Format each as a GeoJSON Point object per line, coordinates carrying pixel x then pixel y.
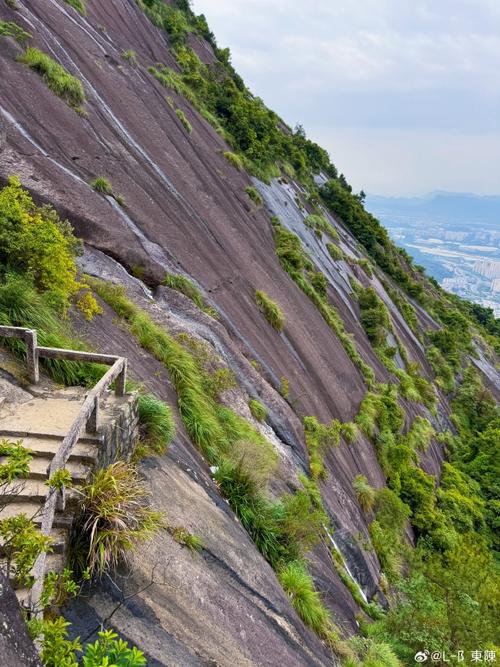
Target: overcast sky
{"type": "Point", "coordinates": [404, 94]}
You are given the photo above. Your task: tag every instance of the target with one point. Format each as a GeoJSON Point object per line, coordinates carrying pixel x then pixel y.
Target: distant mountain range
{"type": "Point", "coordinates": [454, 207]}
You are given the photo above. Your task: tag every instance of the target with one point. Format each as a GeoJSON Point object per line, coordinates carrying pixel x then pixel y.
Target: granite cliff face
{"type": "Point", "coordinates": [187, 212]}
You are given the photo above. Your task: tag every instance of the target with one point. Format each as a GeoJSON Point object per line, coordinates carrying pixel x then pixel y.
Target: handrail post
{"type": "Point", "coordinates": [30, 339]}
{"type": "Point", "coordinates": [121, 380]}
{"type": "Point", "coordinates": [91, 426]}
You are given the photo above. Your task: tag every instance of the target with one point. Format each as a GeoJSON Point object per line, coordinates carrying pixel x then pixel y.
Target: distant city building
{"type": "Point", "coordinates": [451, 284]}
{"type": "Point", "coordinates": [487, 268]}
{"type": "Point", "coordinates": [455, 236]}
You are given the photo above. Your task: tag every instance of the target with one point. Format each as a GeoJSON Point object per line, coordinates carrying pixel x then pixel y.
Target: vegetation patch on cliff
{"type": "Point", "coordinates": [57, 78]}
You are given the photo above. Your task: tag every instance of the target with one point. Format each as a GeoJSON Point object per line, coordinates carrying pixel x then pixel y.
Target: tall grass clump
{"type": "Point", "coordinates": [102, 185]}
{"type": "Point", "coordinates": [156, 422]}
{"type": "Point", "coordinates": [182, 117]}
{"type": "Point", "coordinates": [365, 493]}
{"type": "Point", "coordinates": [188, 288]}
{"type": "Point", "coordinates": [270, 309]}
{"type": "Point", "coordinates": [305, 599]}
{"type": "Point", "coordinates": [58, 79]}
{"type": "Point", "coordinates": [113, 517]}
{"type": "Point", "coordinates": [258, 410]}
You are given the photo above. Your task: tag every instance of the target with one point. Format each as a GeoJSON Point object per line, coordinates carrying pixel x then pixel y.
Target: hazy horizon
{"type": "Point", "coordinates": [402, 94]}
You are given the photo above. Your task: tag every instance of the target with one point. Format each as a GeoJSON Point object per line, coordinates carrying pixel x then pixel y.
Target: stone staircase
{"type": "Point", "coordinates": [41, 423]}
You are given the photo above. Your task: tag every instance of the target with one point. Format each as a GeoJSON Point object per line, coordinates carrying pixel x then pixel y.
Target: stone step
{"type": "Point", "coordinates": [85, 449]}
{"type": "Point", "coordinates": [20, 433]}
{"type": "Point", "coordinates": [39, 464]}
{"type": "Point", "coordinates": [30, 490]}
{"type": "Point", "coordinates": [33, 510]}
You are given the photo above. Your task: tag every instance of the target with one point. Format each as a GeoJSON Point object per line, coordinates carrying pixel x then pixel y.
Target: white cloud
{"type": "Point", "coordinates": [414, 66]}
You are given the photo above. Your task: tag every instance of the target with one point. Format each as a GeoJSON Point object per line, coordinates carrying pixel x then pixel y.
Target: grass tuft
{"type": "Point", "coordinates": [271, 311]}
{"type": "Point", "coordinates": [234, 159]}
{"type": "Point", "coordinates": [102, 185]}
{"type": "Point", "coordinates": [79, 5]}
{"type": "Point", "coordinates": [131, 57]}
{"type": "Point", "coordinates": [58, 79]}
{"type": "Point", "coordinates": [113, 518]}
{"type": "Point", "coordinates": [188, 288]}
{"type": "Point", "coordinates": [365, 493]}
{"type": "Point", "coordinates": [187, 539]}
{"type": "Point", "coordinates": [182, 117]}
{"type": "Point", "coordinates": [299, 585]}
{"type": "Point", "coordinates": [258, 410]}
{"type": "Point", "coordinates": [156, 423]}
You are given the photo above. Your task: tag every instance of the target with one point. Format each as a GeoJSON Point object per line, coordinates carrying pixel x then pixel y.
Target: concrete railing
{"type": "Point", "coordinates": [86, 419]}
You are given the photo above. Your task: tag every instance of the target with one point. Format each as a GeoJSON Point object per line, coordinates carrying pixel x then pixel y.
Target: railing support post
{"type": "Point", "coordinates": [121, 380]}
{"type": "Point", "coordinates": [30, 339]}
{"type": "Point", "coordinates": [91, 426]}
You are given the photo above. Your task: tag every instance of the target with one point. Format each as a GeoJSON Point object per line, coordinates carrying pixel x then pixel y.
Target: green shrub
{"type": "Point", "coordinates": [258, 410]}
{"type": "Point", "coordinates": [335, 252]}
{"type": "Point", "coordinates": [299, 585]}
{"type": "Point", "coordinates": [156, 422]}
{"type": "Point", "coordinates": [60, 479]}
{"type": "Point", "coordinates": [22, 543]}
{"type": "Point", "coordinates": [36, 243]}
{"type": "Point", "coordinates": [131, 57]}
{"type": "Point", "coordinates": [235, 159]}
{"type": "Point", "coordinates": [17, 461]}
{"type": "Point", "coordinates": [320, 225]}
{"type": "Point", "coordinates": [58, 79]}
{"type": "Point", "coordinates": [271, 311]}
{"type": "Point", "coordinates": [57, 650]}
{"type": "Point", "coordinates": [79, 5]}
{"type": "Point", "coordinates": [102, 185]}
{"type": "Point", "coordinates": [182, 117]}
{"type": "Point", "coordinates": [113, 517]}
{"type": "Point", "coordinates": [364, 493]}
{"type": "Point", "coordinates": [11, 4]}
{"type": "Point", "coordinates": [254, 195]}
{"type": "Point", "coordinates": [366, 266]}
